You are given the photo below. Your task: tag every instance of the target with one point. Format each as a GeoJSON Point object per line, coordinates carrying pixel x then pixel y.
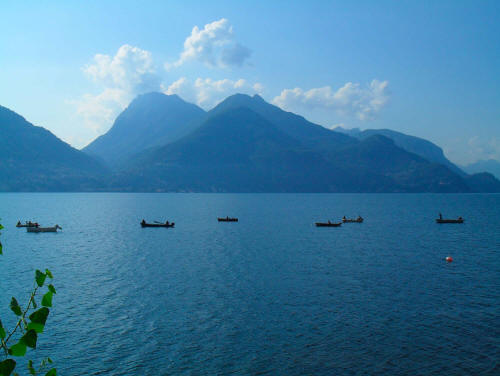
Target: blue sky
{"type": "Point", "coordinates": [427, 68]}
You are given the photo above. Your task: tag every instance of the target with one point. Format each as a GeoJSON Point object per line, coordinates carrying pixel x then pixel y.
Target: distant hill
{"type": "Point", "coordinates": [492, 166]}
{"type": "Point", "coordinates": [416, 145]}
{"type": "Point", "coordinates": [150, 120]}
{"type": "Point", "coordinates": [483, 182]}
{"type": "Point", "coordinates": [237, 149]}
{"type": "Point", "coordinates": [33, 159]}
{"type": "Point", "coordinates": [408, 171]}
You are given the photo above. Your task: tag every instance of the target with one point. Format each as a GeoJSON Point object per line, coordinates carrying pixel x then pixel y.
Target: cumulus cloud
{"type": "Point", "coordinates": [130, 72]}
{"type": "Point", "coordinates": [206, 92]}
{"type": "Point", "coordinates": [214, 45]}
{"type": "Point", "coordinates": [352, 99]}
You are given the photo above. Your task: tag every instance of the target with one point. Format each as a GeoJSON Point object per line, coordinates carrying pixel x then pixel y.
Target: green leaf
{"type": "Point", "coordinates": [2, 331]}
{"type": "Point", "coordinates": [36, 327]}
{"type": "Point", "coordinates": [40, 316]}
{"type": "Point", "coordinates": [7, 366]}
{"type": "Point", "coordinates": [19, 349]}
{"type": "Point", "coordinates": [49, 273]}
{"type": "Point", "coordinates": [34, 303]}
{"type": "Point", "coordinates": [14, 306]}
{"type": "Point", "coordinates": [29, 339]}
{"type": "Point", "coordinates": [1, 247]}
{"type": "Point", "coordinates": [49, 360]}
{"type": "Point", "coordinates": [52, 288]}
{"type": "Point", "coordinates": [1, 227]}
{"type": "Point", "coordinates": [47, 299]}
{"type": "Point", "coordinates": [31, 369]}
{"type": "Point", "coordinates": [40, 278]}
{"type": "Point", "coordinates": [52, 372]}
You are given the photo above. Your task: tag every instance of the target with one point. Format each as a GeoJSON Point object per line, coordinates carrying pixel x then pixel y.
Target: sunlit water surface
{"type": "Point", "coordinates": [271, 294]}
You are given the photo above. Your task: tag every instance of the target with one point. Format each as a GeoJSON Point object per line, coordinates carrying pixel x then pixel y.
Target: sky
{"type": "Point", "coordinates": [426, 68]}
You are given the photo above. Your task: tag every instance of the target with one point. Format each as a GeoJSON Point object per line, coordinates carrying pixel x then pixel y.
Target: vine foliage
{"type": "Point", "coordinates": [30, 324]}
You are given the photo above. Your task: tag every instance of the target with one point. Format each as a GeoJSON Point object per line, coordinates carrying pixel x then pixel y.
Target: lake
{"type": "Point", "coordinates": [271, 294]}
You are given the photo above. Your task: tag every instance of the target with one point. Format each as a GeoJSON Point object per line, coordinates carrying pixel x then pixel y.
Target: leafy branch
{"type": "Point", "coordinates": [27, 327]}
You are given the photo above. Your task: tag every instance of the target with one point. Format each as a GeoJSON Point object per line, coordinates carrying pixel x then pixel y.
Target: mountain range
{"type": "Point", "coordinates": [244, 144]}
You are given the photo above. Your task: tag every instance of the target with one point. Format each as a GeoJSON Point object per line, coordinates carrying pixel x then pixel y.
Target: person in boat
{"type": "Point", "coordinates": [440, 216]}
{"type": "Point", "coordinates": [360, 218]}
{"type": "Point", "coordinates": [143, 222]}
{"type": "Point", "coordinates": [166, 223]}
{"type": "Point", "coordinates": [344, 218]}
{"type": "Point", "coordinates": [459, 218]}
{"type": "Point", "coordinates": [18, 223]}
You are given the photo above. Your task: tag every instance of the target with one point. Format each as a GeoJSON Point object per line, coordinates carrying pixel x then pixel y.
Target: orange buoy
{"type": "Point", "coordinates": [449, 259]}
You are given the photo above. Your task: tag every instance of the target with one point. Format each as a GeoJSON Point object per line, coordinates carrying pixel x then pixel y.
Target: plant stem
{"type": "Point", "coordinates": [21, 319]}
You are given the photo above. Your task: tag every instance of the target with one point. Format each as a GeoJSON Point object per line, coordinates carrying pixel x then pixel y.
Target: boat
{"type": "Point", "coordinates": [444, 220]}
{"type": "Point", "coordinates": [458, 220]}
{"type": "Point", "coordinates": [27, 224]}
{"type": "Point", "coordinates": [167, 224]}
{"type": "Point", "coordinates": [349, 220]}
{"type": "Point", "coordinates": [44, 229]}
{"type": "Point", "coordinates": [328, 224]}
{"type": "Point", "coordinates": [227, 219]}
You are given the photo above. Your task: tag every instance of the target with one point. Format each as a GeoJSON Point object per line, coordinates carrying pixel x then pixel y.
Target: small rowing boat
{"type": "Point", "coordinates": [328, 224]}
{"type": "Point", "coordinates": [349, 220]}
{"type": "Point", "coordinates": [167, 224]}
{"type": "Point", "coordinates": [227, 219]}
{"type": "Point", "coordinates": [458, 220]}
{"type": "Point", "coordinates": [27, 224]}
{"type": "Point", "coordinates": [43, 229]}
{"type": "Point", "coordinates": [443, 220]}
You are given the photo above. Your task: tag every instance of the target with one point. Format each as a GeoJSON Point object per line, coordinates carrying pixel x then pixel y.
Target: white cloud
{"type": "Point", "coordinates": [98, 111]}
{"type": "Point", "coordinates": [207, 92]}
{"type": "Point", "coordinates": [121, 77]}
{"type": "Point", "coordinates": [484, 148]}
{"type": "Point", "coordinates": [351, 99]}
{"type": "Point", "coordinates": [131, 70]}
{"type": "Point", "coordinates": [214, 45]}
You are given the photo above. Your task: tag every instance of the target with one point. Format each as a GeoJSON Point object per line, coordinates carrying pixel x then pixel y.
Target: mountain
{"type": "Point", "coordinates": [33, 159]}
{"type": "Point", "coordinates": [232, 151]}
{"type": "Point", "coordinates": [492, 166]}
{"type": "Point", "coordinates": [237, 149]}
{"type": "Point", "coordinates": [408, 171]}
{"type": "Point", "coordinates": [416, 145]}
{"type": "Point", "coordinates": [310, 134]}
{"type": "Point", "coordinates": [150, 120]}
{"type": "Point", "coordinates": [161, 143]}
{"type": "Point", "coordinates": [483, 182]}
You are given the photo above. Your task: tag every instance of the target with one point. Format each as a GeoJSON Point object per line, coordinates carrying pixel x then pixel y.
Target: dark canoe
{"type": "Point", "coordinates": [157, 224]}
{"type": "Point", "coordinates": [358, 220]}
{"type": "Point", "coordinates": [459, 220]}
{"type": "Point", "coordinates": [227, 219]}
{"type": "Point", "coordinates": [328, 224]}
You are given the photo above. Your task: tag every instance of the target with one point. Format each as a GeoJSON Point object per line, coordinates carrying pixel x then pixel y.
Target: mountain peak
{"type": "Point", "coordinates": [156, 97]}
{"type": "Point", "coordinates": [151, 119]}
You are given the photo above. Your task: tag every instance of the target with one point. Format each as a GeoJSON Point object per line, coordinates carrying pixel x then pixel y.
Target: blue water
{"type": "Point", "coordinates": [271, 294]}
